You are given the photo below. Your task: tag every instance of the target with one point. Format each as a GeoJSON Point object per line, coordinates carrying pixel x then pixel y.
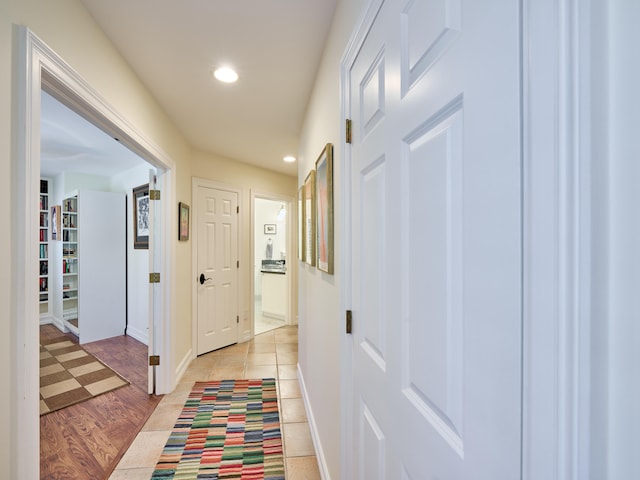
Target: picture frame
{"type": "Point", "coordinates": [270, 229]}
{"type": "Point", "coordinates": [55, 215]}
{"type": "Point", "coordinates": [324, 210]}
{"type": "Point", "coordinates": [301, 223]}
{"type": "Point", "coordinates": [141, 217]}
{"type": "Point", "coordinates": [310, 218]}
{"type": "Point", "coordinates": [183, 221]}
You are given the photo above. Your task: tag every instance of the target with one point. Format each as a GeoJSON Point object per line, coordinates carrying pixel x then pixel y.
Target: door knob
{"type": "Point", "coordinates": [203, 279]}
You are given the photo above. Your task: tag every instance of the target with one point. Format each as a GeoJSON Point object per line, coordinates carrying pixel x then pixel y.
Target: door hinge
{"type": "Point", "coordinates": [237, 318]}
{"type": "Point", "coordinates": [154, 194]}
{"type": "Point", "coordinates": [238, 264]}
{"type": "Point", "coordinates": [154, 277]}
{"type": "Point", "coordinates": [154, 360]}
{"type": "Point", "coordinates": [347, 133]}
{"type": "Point", "coordinates": [237, 208]}
{"type": "Point", "coordinates": [349, 321]}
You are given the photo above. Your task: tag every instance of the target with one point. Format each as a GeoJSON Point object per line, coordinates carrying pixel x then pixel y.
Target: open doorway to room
{"type": "Point", "coordinates": [271, 261]}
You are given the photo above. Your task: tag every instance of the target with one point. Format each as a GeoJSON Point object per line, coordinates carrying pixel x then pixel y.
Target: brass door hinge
{"type": "Point", "coordinates": [154, 360]}
{"type": "Point", "coordinates": [237, 318]}
{"type": "Point", "coordinates": [154, 194]}
{"type": "Point", "coordinates": [154, 277]}
{"type": "Point", "coordinates": [347, 133]}
{"type": "Point", "coordinates": [349, 321]}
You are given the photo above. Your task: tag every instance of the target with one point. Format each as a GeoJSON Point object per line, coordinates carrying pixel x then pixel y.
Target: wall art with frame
{"type": "Point", "coordinates": [141, 217]}
{"type": "Point", "coordinates": [301, 230]}
{"type": "Point", "coordinates": [324, 209]}
{"type": "Point", "coordinates": [183, 221]}
{"type": "Point", "coordinates": [310, 218]}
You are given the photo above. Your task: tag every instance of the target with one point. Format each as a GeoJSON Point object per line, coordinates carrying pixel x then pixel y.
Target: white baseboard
{"type": "Point", "coordinates": [322, 462]}
{"type": "Point", "coordinates": [140, 335]}
{"type": "Point", "coordinates": [182, 367]}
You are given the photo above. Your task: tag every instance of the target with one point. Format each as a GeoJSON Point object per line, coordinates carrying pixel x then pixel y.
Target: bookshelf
{"type": "Point", "coordinates": [70, 263]}
{"type": "Point", "coordinates": [43, 278]}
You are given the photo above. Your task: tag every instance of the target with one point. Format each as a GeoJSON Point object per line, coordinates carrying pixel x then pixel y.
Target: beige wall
{"type": "Point", "coordinates": [321, 319]}
{"type": "Point", "coordinates": [247, 179]}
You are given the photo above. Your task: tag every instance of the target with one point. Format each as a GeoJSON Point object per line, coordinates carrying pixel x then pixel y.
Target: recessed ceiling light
{"type": "Point", "coordinates": [289, 159]}
{"type": "Point", "coordinates": [225, 75]}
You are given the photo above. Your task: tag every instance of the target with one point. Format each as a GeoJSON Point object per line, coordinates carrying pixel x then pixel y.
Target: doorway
{"type": "Point", "coordinates": [40, 67]}
{"type": "Point", "coordinates": [271, 263]}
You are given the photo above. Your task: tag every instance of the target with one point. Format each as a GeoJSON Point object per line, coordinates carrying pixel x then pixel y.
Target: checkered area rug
{"type": "Point", "coordinates": [228, 429]}
{"type": "Point", "coordinates": [69, 375]}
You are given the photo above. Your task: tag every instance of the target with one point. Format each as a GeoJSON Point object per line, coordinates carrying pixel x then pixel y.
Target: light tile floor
{"type": "Point", "coordinates": [273, 354]}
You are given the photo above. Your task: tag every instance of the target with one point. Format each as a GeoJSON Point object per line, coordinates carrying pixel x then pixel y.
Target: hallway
{"type": "Point", "coordinates": [273, 354]}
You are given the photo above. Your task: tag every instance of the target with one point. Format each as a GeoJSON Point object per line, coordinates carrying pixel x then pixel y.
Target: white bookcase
{"type": "Point", "coordinates": [43, 279]}
{"type": "Point", "coordinates": [70, 263]}
{"type": "Point", "coordinates": [94, 264]}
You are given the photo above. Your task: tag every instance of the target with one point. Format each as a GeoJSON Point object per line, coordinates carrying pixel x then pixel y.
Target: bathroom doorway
{"type": "Point", "coordinates": [271, 263]}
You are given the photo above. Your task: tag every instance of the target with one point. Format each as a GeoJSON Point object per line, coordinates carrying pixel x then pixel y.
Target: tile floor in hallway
{"type": "Point", "coordinates": [269, 355]}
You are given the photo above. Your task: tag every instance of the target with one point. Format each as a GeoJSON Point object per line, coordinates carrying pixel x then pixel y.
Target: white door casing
{"type": "Point", "coordinates": [435, 209]}
{"type": "Point", "coordinates": [216, 268]}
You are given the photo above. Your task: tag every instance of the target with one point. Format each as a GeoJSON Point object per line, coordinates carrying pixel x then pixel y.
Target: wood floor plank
{"type": "Point", "coordinates": [88, 440]}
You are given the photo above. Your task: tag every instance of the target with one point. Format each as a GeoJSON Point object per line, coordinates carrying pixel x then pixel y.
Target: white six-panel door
{"type": "Point", "coordinates": [435, 186]}
{"type": "Point", "coordinates": [217, 257]}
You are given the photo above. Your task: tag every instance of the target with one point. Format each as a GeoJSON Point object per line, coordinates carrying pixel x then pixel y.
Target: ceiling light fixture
{"type": "Point", "coordinates": [289, 159]}
{"type": "Point", "coordinates": [225, 75]}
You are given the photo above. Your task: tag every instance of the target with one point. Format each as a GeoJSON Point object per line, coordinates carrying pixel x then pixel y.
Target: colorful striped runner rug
{"type": "Point", "coordinates": [228, 429]}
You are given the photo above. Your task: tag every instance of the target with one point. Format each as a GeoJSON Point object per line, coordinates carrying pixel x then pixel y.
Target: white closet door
{"type": "Point", "coordinates": [101, 265]}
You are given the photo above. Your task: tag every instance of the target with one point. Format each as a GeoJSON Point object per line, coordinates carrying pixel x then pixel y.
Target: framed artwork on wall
{"type": "Point", "coordinates": [270, 229]}
{"type": "Point", "coordinates": [183, 221]}
{"type": "Point", "coordinates": [141, 217]}
{"type": "Point", "coordinates": [310, 218]}
{"type": "Point", "coordinates": [301, 230]}
{"type": "Point", "coordinates": [55, 222]}
{"type": "Point", "coordinates": [324, 209]}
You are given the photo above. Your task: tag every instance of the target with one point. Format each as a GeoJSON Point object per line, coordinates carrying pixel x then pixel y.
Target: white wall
{"type": "Point", "coordinates": [137, 259]}
{"type": "Point", "coordinates": [321, 325]}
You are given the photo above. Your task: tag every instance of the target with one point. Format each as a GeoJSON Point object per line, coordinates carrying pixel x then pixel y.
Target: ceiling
{"type": "Point", "coordinates": [274, 45]}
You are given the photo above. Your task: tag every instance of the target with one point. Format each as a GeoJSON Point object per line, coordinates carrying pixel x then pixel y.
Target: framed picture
{"type": "Point", "coordinates": [55, 223]}
{"type": "Point", "coordinates": [301, 237]}
{"type": "Point", "coordinates": [141, 217]}
{"type": "Point", "coordinates": [324, 209]}
{"type": "Point", "coordinates": [310, 218]}
{"type": "Point", "coordinates": [183, 221]}
{"type": "Point", "coordinates": [270, 229]}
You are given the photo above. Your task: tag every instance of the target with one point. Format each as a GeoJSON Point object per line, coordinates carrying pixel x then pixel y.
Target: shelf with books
{"type": "Point", "coordinates": [70, 262]}
{"type": "Point", "coordinates": [43, 254]}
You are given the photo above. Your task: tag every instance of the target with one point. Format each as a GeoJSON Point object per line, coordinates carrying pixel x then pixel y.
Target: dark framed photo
{"type": "Point", "coordinates": [183, 221]}
{"type": "Point", "coordinates": [141, 217]}
{"type": "Point", "coordinates": [270, 229]}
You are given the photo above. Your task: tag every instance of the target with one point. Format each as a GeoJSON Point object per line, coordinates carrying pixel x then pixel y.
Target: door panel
{"type": "Point", "coordinates": [435, 203]}
{"type": "Point", "coordinates": [217, 237]}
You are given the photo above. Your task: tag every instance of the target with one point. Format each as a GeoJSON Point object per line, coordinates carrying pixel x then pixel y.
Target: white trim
{"type": "Point", "coordinates": [315, 436]}
{"type": "Point", "coordinates": [556, 242]}
{"type": "Point", "coordinates": [39, 66]}
{"type": "Point", "coordinates": [346, 344]}
{"type": "Point", "coordinates": [183, 365]}
{"type": "Point", "coordinates": [138, 334]}
{"type": "Point", "coordinates": [291, 251]}
{"type": "Point", "coordinates": [202, 182]}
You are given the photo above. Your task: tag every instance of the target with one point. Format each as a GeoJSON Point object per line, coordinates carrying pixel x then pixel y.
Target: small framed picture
{"type": "Point", "coordinates": [141, 217]}
{"type": "Point", "coordinates": [270, 229]}
{"type": "Point", "coordinates": [55, 222]}
{"type": "Point", "coordinates": [183, 221]}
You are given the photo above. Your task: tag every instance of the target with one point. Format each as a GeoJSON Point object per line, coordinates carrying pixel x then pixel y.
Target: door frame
{"type": "Point", "coordinates": [36, 67]}
{"type": "Point", "coordinates": [195, 184]}
{"type": "Point", "coordinates": [556, 237]}
{"type": "Point", "coordinates": [289, 202]}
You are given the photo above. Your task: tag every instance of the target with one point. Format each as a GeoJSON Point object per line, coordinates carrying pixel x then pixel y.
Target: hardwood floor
{"type": "Point", "coordinates": [87, 440]}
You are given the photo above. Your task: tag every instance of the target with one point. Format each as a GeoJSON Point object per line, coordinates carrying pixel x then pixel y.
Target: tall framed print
{"type": "Point", "coordinates": [301, 237]}
{"type": "Point", "coordinates": [324, 210]}
{"type": "Point", "coordinates": [310, 218]}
